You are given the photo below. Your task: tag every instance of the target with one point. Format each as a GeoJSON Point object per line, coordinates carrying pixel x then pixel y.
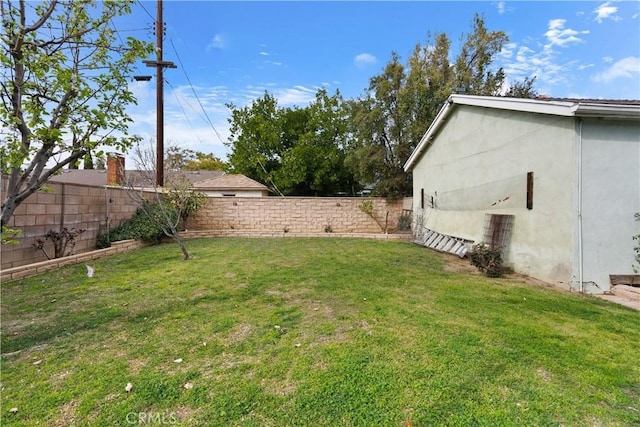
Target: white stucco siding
{"type": "Point", "coordinates": [610, 194]}
{"type": "Point", "coordinates": [477, 164]}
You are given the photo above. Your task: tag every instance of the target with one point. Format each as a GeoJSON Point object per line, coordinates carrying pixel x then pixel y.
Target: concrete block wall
{"type": "Point", "coordinates": [32, 269]}
{"type": "Point", "coordinates": [92, 208]}
{"type": "Point", "coordinates": [298, 214]}
{"type": "Point", "coordinates": [64, 205]}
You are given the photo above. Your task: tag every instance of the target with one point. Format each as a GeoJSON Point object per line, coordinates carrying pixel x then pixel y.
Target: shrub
{"type": "Point", "coordinates": [404, 222]}
{"type": "Point", "coordinates": [146, 224]}
{"type": "Point", "coordinates": [487, 259]}
{"type": "Point", "coordinates": [63, 239]}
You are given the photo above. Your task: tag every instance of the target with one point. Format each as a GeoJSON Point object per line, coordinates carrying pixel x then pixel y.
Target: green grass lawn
{"type": "Point", "coordinates": [308, 332]}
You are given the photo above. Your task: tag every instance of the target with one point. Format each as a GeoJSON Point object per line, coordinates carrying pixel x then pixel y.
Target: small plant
{"type": "Point", "coordinates": [62, 240]}
{"type": "Point", "coordinates": [10, 236]}
{"type": "Point", "coordinates": [186, 202]}
{"type": "Point", "coordinates": [367, 207]}
{"type": "Point", "coordinates": [143, 225]}
{"type": "Point", "coordinates": [404, 223]}
{"type": "Point", "coordinates": [487, 259]}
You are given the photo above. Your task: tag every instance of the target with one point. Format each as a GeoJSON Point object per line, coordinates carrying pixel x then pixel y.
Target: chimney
{"type": "Point", "coordinates": [115, 169]}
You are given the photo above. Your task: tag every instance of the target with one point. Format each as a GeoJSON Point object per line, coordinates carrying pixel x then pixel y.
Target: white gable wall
{"type": "Point", "coordinates": [610, 190]}
{"type": "Point", "coordinates": [477, 164]}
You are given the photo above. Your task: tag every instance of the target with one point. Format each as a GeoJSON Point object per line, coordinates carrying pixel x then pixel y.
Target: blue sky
{"type": "Point", "coordinates": [232, 52]}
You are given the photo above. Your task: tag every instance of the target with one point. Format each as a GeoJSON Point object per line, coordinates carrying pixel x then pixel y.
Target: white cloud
{"type": "Point", "coordinates": [185, 121]}
{"type": "Point", "coordinates": [507, 50]}
{"type": "Point", "coordinates": [264, 53]}
{"type": "Point", "coordinates": [585, 66]}
{"type": "Point", "coordinates": [364, 59]}
{"type": "Point", "coordinates": [297, 95]}
{"type": "Point", "coordinates": [606, 11]}
{"type": "Point", "coordinates": [607, 59]}
{"type": "Point", "coordinates": [558, 35]}
{"type": "Point", "coordinates": [501, 6]}
{"type": "Point", "coordinates": [628, 67]}
{"type": "Point", "coordinates": [217, 42]}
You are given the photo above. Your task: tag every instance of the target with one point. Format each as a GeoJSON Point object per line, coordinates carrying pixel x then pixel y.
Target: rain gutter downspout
{"type": "Point", "coordinates": [580, 251]}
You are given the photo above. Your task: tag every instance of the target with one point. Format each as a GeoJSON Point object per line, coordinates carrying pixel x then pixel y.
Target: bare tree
{"type": "Point", "coordinates": [167, 205]}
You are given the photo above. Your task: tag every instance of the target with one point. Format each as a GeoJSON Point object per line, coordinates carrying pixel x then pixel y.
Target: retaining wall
{"type": "Point", "coordinates": [28, 270]}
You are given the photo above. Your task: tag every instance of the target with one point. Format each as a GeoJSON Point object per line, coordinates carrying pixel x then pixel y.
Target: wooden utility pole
{"type": "Point", "coordinates": [160, 66]}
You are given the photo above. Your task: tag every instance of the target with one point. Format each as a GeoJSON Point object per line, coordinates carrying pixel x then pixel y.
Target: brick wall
{"type": "Point", "coordinates": [64, 205]}
{"type": "Point", "coordinates": [297, 214]}
{"type": "Point", "coordinates": [89, 207]}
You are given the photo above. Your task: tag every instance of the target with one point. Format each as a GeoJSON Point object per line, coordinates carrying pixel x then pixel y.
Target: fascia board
{"type": "Point", "coordinates": [426, 138]}
{"type": "Point", "coordinates": [607, 111]}
{"type": "Point", "coordinates": [557, 108]}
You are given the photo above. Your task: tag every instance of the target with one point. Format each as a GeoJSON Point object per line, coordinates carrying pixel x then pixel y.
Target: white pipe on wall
{"type": "Point", "coordinates": [580, 251]}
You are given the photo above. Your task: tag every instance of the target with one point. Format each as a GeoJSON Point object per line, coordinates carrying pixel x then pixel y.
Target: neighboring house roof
{"type": "Point", "coordinates": [568, 107]}
{"type": "Point", "coordinates": [98, 177]}
{"type": "Point", "coordinates": [230, 182]}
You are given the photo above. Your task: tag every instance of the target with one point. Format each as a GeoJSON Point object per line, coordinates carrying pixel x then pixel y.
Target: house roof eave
{"type": "Point", "coordinates": [611, 109]}
{"type": "Point", "coordinates": [428, 136]}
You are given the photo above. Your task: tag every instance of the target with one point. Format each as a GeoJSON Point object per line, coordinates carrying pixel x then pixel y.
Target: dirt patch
{"type": "Point", "coordinates": [238, 333]}
{"type": "Point", "coordinates": [455, 264]}
{"type": "Point", "coordinates": [279, 387]}
{"type": "Point", "coordinates": [67, 415]}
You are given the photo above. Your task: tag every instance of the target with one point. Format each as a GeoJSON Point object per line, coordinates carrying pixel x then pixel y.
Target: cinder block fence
{"type": "Point", "coordinates": [96, 208]}
{"type": "Point", "coordinates": [299, 215]}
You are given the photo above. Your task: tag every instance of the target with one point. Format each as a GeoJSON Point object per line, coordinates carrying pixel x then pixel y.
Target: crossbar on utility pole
{"type": "Point", "coordinates": [160, 66]}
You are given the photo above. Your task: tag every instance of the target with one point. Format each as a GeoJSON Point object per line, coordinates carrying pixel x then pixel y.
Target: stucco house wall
{"type": "Point", "coordinates": [608, 166]}
{"type": "Point", "coordinates": [478, 165]}
{"type": "Point", "coordinates": [474, 161]}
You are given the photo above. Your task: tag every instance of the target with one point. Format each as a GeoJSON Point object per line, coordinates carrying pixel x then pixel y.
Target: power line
{"type": "Point", "coordinates": [194, 91]}
{"type": "Point", "coordinates": [145, 9]}
{"type": "Point", "coordinates": [183, 110]}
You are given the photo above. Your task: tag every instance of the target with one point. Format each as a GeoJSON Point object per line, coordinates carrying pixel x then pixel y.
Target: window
{"type": "Point", "coordinates": [422, 198]}
{"type": "Point", "coordinates": [228, 195]}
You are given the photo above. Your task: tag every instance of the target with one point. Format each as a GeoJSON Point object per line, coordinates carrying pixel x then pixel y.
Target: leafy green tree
{"type": "Point", "coordinates": [64, 88]}
{"type": "Point", "coordinates": [314, 165]}
{"type": "Point", "coordinates": [522, 89]}
{"type": "Point", "coordinates": [299, 151]}
{"type": "Point", "coordinates": [379, 120]}
{"type": "Point", "coordinates": [206, 162]}
{"type": "Point", "coordinates": [474, 73]}
{"type": "Point", "coordinates": [256, 141]}
{"type": "Point", "coordinates": [399, 105]}
{"type": "Point", "coordinates": [178, 158]}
